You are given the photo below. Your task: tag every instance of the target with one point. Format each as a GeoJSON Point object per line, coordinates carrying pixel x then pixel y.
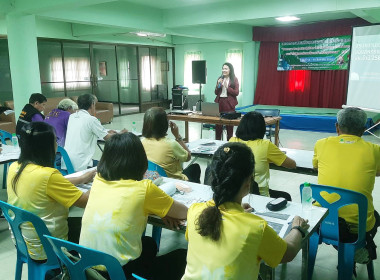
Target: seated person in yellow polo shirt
{"type": "Point", "coordinates": [118, 208]}
{"type": "Point", "coordinates": [166, 152]}
{"type": "Point", "coordinates": [226, 240]}
{"type": "Point", "coordinates": [35, 185]}
{"type": "Point", "coordinates": [251, 131]}
{"type": "Point", "coordinates": [347, 161]}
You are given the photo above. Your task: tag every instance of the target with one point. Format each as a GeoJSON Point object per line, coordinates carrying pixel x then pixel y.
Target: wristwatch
{"type": "Point", "coordinates": [300, 230]}
{"type": "Point", "coordinates": [179, 138]}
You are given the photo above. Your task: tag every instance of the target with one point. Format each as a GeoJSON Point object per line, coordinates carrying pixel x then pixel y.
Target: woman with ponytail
{"type": "Point", "coordinates": [227, 241]}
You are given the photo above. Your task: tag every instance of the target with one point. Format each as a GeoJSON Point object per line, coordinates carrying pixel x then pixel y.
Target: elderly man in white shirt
{"type": "Point", "coordinates": [83, 131]}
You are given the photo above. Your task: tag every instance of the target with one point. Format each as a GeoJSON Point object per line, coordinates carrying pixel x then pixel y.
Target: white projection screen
{"type": "Point", "coordinates": [364, 75]}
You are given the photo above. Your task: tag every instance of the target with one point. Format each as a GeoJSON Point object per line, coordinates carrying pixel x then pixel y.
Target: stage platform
{"type": "Point", "coordinates": [306, 118]}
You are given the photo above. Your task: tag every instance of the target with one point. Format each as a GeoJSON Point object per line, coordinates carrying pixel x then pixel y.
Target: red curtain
{"type": "Point", "coordinates": [303, 88]}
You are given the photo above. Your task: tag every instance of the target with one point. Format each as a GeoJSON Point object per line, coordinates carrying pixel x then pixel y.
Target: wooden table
{"type": "Point", "coordinates": [217, 120]}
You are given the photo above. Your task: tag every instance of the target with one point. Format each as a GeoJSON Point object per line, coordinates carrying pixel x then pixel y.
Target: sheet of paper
{"type": "Point", "coordinates": [280, 222]}
{"type": "Point", "coordinates": [80, 173]}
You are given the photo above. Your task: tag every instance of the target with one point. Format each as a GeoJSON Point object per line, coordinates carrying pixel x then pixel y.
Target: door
{"type": "Point", "coordinates": [104, 75]}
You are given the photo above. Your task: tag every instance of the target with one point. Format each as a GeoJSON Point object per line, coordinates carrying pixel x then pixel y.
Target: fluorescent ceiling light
{"type": "Point", "coordinates": [287, 18]}
{"type": "Point", "coordinates": [148, 34]}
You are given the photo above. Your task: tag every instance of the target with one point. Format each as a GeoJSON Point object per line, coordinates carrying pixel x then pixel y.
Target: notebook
{"type": "Point", "coordinates": [210, 109]}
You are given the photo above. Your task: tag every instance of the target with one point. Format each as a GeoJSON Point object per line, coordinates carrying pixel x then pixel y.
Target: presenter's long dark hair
{"type": "Point", "coordinates": [37, 144]}
{"type": "Point", "coordinates": [231, 165]}
{"type": "Point", "coordinates": [232, 73]}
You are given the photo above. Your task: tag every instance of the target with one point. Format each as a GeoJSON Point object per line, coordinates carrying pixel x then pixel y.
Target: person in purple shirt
{"type": "Point", "coordinates": [59, 118]}
{"type": "Point", "coordinates": [32, 111]}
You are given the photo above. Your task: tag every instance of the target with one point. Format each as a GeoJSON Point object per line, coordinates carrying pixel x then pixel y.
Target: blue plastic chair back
{"type": "Point", "coordinates": [66, 159]}
{"type": "Point", "coordinates": [88, 258]}
{"type": "Point", "coordinates": [17, 216]}
{"type": "Point", "coordinates": [155, 167]}
{"type": "Point", "coordinates": [137, 277]}
{"type": "Point", "coordinates": [4, 135]}
{"type": "Point", "coordinates": [329, 229]}
{"type": "Point", "coordinates": [156, 231]}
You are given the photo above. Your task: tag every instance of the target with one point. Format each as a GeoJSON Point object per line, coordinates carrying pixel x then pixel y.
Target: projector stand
{"type": "Point", "coordinates": [368, 130]}
{"type": "Point", "coordinates": [200, 98]}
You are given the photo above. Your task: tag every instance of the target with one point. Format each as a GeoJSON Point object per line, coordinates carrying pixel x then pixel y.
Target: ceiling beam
{"type": "Point", "coordinates": [364, 15]}
{"type": "Point", "coordinates": [218, 32]}
{"type": "Point", "coordinates": [43, 6]}
{"type": "Point", "coordinates": [116, 15]}
{"type": "Point", "coordinates": [83, 30]}
{"type": "Point", "coordinates": [123, 18]}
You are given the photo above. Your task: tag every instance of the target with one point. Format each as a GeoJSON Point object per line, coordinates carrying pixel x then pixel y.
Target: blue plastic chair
{"type": "Point", "coordinates": [156, 232]}
{"type": "Point", "coordinates": [69, 166]}
{"type": "Point", "coordinates": [155, 167]}
{"type": "Point", "coordinates": [137, 277]}
{"type": "Point", "coordinates": [17, 216]}
{"type": "Point", "coordinates": [5, 135]}
{"type": "Point", "coordinates": [329, 230]}
{"type": "Point", "coordinates": [88, 258]}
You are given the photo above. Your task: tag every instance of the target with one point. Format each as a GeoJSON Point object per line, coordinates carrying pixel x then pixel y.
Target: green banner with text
{"type": "Point", "coordinates": [322, 54]}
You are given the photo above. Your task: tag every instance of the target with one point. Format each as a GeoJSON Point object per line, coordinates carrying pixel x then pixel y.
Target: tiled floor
{"type": "Point", "coordinates": [326, 262]}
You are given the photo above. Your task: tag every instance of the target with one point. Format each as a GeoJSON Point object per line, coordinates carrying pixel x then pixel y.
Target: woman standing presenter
{"type": "Point", "coordinates": [226, 90]}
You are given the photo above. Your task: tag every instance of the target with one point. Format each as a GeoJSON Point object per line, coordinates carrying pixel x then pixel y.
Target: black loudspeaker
{"type": "Point", "coordinates": [199, 71]}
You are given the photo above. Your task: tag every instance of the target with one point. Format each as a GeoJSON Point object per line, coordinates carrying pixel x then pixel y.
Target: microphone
{"type": "Point", "coordinates": [220, 84]}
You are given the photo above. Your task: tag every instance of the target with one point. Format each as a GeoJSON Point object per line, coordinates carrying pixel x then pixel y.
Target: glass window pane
{"type": "Point", "coordinates": [107, 91]}
{"type": "Point", "coordinates": [235, 57]}
{"type": "Point", "coordinates": [78, 88]}
{"type": "Point", "coordinates": [53, 89]}
{"type": "Point", "coordinates": [5, 73]}
{"type": "Point", "coordinates": [50, 62]}
{"type": "Point", "coordinates": [162, 64]}
{"type": "Point", "coordinates": [144, 61]}
{"type": "Point", "coordinates": [77, 68]}
{"type": "Point", "coordinates": [131, 94]}
{"type": "Point", "coordinates": [189, 57]}
{"type": "Point", "coordinates": [104, 62]}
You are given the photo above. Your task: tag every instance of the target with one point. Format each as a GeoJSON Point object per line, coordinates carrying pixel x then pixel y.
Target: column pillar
{"type": "Point", "coordinates": [250, 73]}
{"type": "Point", "coordinates": [23, 58]}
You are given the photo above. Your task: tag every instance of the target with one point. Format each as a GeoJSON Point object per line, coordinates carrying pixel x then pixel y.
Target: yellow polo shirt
{"type": "Point", "coordinates": [46, 193]}
{"type": "Point", "coordinates": [349, 162]}
{"type": "Point", "coordinates": [168, 154]}
{"type": "Point", "coordinates": [116, 215]}
{"type": "Point", "coordinates": [245, 240]}
{"type": "Point", "coordinates": [265, 152]}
